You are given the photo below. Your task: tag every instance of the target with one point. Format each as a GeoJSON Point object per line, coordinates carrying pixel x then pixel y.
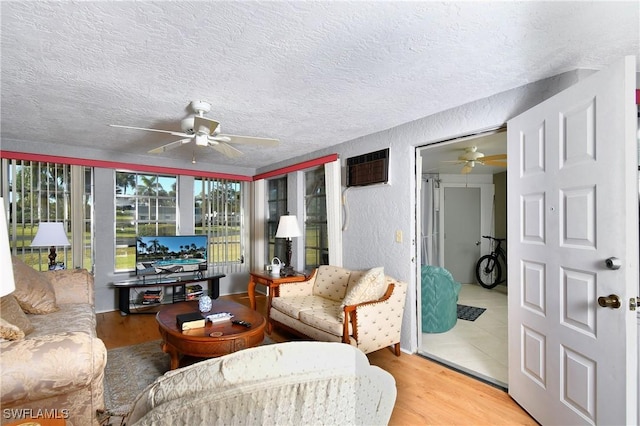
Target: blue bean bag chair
{"type": "Point", "coordinates": [439, 299]}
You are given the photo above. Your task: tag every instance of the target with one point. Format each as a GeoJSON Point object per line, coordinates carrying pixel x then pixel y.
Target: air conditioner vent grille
{"type": "Point", "coordinates": [368, 169]}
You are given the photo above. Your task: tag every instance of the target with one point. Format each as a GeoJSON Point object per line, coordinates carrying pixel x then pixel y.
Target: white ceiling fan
{"type": "Point", "coordinates": [472, 156]}
{"type": "Point", "coordinates": [205, 132]}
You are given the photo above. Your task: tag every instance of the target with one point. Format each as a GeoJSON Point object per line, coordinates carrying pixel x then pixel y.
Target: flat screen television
{"type": "Point", "coordinates": [167, 254]}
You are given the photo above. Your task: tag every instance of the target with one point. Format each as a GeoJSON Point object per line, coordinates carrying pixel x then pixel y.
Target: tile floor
{"type": "Point", "coordinates": [478, 347]}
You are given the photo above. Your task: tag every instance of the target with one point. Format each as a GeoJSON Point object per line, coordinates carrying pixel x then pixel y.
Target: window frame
{"type": "Point", "coordinates": [276, 207]}
{"type": "Point", "coordinates": [142, 194]}
{"type": "Point", "coordinates": [315, 248]}
{"type": "Point", "coordinates": [221, 215]}
{"type": "Point", "coordinates": [59, 184]}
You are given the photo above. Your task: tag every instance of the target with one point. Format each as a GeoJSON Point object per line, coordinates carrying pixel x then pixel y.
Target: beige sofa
{"type": "Point", "coordinates": [295, 383]}
{"type": "Point", "coordinates": [57, 368]}
{"type": "Point", "coordinates": [362, 308]}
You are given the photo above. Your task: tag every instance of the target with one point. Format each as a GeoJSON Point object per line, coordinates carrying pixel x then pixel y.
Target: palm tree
{"type": "Point", "coordinates": [154, 246]}
{"type": "Point", "coordinates": [149, 185]}
{"type": "Point", "coordinates": [125, 180]}
{"type": "Point", "coordinates": [142, 245]}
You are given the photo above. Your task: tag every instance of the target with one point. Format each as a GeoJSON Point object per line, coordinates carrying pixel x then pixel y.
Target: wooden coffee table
{"type": "Point", "coordinates": [199, 342]}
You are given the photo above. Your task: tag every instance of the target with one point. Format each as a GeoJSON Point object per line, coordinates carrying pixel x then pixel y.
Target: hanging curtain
{"type": "Point", "coordinates": [430, 220]}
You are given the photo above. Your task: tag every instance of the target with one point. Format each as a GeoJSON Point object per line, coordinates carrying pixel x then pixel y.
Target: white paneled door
{"type": "Point", "coordinates": [573, 204]}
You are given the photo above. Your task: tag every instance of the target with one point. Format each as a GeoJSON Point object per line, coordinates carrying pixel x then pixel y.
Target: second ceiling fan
{"type": "Point", "coordinates": [205, 132]}
{"type": "Point", "coordinates": [472, 156]}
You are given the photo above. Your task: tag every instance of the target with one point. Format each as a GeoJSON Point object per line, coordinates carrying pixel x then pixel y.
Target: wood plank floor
{"type": "Point", "coordinates": [428, 393]}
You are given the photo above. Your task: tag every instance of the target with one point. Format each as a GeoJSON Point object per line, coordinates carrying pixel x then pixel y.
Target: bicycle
{"type": "Point", "coordinates": [489, 268]}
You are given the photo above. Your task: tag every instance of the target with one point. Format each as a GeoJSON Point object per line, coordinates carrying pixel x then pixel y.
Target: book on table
{"type": "Point", "coordinates": [190, 321]}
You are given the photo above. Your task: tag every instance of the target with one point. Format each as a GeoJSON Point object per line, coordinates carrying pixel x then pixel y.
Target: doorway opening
{"type": "Point", "coordinates": [462, 197]}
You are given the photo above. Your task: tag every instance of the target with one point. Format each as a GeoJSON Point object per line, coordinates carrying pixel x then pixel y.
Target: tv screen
{"type": "Point", "coordinates": [166, 254]}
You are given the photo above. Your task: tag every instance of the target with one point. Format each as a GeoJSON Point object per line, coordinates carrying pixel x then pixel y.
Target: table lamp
{"type": "Point", "coordinates": [288, 228]}
{"type": "Point", "coordinates": [7, 283]}
{"type": "Point", "coordinates": [51, 234]}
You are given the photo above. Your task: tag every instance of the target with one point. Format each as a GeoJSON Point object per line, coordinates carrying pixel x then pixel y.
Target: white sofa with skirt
{"type": "Point", "coordinates": [295, 383]}
{"type": "Point", "coordinates": [361, 308]}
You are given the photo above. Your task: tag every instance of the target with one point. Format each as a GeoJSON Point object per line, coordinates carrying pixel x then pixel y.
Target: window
{"type": "Point", "coordinates": [218, 213]}
{"type": "Point", "coordinates": [277, 203]}
{"type": "Point", "coordinates": [315, 224]}
{"type": "Point", "coordinates": [43, 192]}
{"type": "Point", "coordinates": [146, 206]}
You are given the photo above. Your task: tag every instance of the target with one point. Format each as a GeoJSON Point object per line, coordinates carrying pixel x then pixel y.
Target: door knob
{"type": "Point", "coordinates": [613, 263]}
{"type": "Point", "coordinates": [611, 301]}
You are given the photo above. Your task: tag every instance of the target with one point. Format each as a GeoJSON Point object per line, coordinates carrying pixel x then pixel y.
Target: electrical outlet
{"type": "Point", "coordinates": [398, 236]}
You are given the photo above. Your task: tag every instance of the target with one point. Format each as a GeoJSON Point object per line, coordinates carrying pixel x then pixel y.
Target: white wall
{"type": "Point", "coordinates": [377, 212]}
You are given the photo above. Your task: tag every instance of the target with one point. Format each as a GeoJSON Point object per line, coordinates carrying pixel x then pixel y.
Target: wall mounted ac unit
{"type": "Point", "coordinates": [368, 169]}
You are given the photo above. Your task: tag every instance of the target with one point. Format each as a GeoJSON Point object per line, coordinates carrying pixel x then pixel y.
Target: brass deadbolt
{"type": "Point", "coordinates": [611, 301]}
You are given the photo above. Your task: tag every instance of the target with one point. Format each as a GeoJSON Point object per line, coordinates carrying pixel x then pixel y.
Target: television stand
{"type": "Point", "coordinates": [128, 306]}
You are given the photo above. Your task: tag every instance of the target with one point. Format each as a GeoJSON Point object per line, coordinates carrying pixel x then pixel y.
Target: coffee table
{"type": "Point", "coordinates": [212, 340]}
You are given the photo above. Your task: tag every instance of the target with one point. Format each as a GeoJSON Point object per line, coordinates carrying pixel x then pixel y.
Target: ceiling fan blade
{"type": "Point", "coordinates": [494, 157]}
{"type": "Point", "coordinates": [204, 125]}
{"type": "Point", "coordinates": [169, 132]}
{"type": "Point", "coordinates": [169, 146]}
{"type": "Point", "coordinates": [249, 140]}
{"type": "Point", "coordinates": [226, 149]}
{"type": "Point", "coordinates": [466, 169]}
{"type": "Point", "coordinates": [495, 163]}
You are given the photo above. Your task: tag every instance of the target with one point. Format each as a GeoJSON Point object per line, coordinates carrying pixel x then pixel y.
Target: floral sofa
{"type": "Point", "coordinates": [361, 308]}
{"type": "Point", "coordinates": [295, 383]}
{"type": "Point", "coordinates": [52, 363]}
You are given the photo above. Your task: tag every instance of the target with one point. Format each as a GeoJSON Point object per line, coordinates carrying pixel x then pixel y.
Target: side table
{"type": "Point", "coordinates": [271, 282]}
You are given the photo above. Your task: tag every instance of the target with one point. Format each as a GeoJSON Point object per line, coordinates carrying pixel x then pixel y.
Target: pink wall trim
{"type": "Point", "coordinates": [295, 167]}
{"type": "Point", "coordinates": [117, 165]}
{"type": "Point", "coordinates": [157, 169]}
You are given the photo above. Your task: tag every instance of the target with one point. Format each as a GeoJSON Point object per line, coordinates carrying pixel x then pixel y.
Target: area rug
{"type": "Point", "coordinates": [129, 370]}
{"type": "Point", "coordinates": [469, 313]}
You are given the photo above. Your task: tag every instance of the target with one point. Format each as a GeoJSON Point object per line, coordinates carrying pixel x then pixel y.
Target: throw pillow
{"type": "Point", "coordinates": [34, 292]}
{"type": "Point", "coordinates": [9, 331]}
{"type": "Point", "coordinates": [331, 282]}
{"type": "Point", "coordinates": [370, 286]}
{"type": "Point", "coordinates": [11, 313]}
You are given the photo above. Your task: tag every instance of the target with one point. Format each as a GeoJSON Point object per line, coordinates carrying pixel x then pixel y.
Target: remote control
{"type": "Point", "coordinates": [242, 323]}
{"type": "Point", "coordinates": [222, 316]}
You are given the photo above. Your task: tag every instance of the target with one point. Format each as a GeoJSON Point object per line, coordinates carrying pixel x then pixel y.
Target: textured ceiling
{"type": "Point", "coordinates": [312, 74]}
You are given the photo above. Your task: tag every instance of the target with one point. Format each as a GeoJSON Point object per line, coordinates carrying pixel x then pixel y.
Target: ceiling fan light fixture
{"type": "Point", "coordinates": [202, 139]}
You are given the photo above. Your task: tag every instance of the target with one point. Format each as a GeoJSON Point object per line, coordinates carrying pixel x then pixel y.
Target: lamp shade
{"type": "Point", "coordinates": [50, 234]}
{"type": "Point", "coordinates": [7, 283]}
{"type": "Point", "coordinates": [288, 227]}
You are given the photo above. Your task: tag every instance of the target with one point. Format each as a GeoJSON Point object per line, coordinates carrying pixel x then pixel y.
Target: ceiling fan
{"type": "Point", "coordinates": [205, 132]}
{"type": "Point", "coordinates": [472, 156]}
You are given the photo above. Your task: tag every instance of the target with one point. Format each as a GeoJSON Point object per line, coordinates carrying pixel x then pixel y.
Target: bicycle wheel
{"type": "Point", "coordinates": [488, 271]}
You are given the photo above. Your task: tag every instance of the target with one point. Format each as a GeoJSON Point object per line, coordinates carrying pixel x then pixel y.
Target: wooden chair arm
{"type": "Point", "coordinates": [350, 314]}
